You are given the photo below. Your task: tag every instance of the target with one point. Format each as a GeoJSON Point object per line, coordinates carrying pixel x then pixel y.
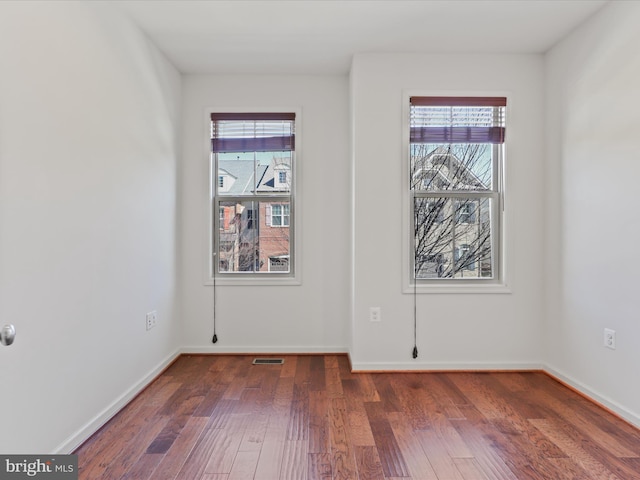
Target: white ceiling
{"type": "Point", "coordinates": [321, 36]}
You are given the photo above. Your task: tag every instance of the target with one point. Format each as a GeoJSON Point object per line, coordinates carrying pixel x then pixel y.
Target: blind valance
{"type": "Point", "coordinates": [252, 132]}
{"type": "Point", "coordinates": [457, 120]}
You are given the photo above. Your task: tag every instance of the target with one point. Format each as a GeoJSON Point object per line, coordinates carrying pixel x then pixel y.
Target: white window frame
{"type": "Point", "coordinates": [295, 227]}
{"type": "Point", "coordinates": [501, 284]}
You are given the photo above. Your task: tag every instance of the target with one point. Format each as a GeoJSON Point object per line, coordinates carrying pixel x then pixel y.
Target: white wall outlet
{"type": "Point", "coordinates": [375, 314]}
{"type": "Point", "coordinates": [610, 338]}
{"type": "Point", "coordinates": [152, 319]}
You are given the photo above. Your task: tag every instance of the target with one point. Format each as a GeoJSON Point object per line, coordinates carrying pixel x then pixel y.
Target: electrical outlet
{"type": "Point", "coordinates": [375, 314]}
{"type": "Point", "coordinates": [152, 319]}
{"type": "Point", "coordinates": [610, 338]}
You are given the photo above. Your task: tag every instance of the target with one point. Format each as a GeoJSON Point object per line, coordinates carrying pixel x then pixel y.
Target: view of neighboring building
{"type": "Point", "coordinates": [254, 234]}
{"type": "Point", "coordinates": [452, 229]}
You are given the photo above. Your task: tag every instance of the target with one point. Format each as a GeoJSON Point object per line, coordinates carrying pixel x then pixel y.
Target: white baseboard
{"type": "Point", "coordinates": [442, 366]}
{"type": "Point", "coordinates": [77, 438]}
{"type": "Point", "coordinates": [244, 350]}
{"type": "Point", "coordinates": [603, 400]}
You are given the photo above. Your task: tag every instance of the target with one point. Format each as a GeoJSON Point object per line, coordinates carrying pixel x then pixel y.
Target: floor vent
{"type": "Point", "coordinates": [268, 361]}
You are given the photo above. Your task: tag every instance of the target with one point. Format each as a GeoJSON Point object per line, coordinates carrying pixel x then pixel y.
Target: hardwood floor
{"type": "Point", "coordinates": [222, 418]}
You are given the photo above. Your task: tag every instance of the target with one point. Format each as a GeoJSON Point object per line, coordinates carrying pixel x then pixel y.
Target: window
{"type": "Point", "coordinates": [464, 257]}
{"type": "Point", "coordinates": [250, 225]}
{"type": "Point", "coordinates": [466, 211]}
{"type": "Point", "coordinates": [279, 264]}
{"type": "Point", "coordinates": [456, 154]}
{"type": "Point", "coordinates": [254, 150]}
{"type": "Point", "coordinates": [433, 212]}
{"type": "Point", "coordinates": [279, 215]}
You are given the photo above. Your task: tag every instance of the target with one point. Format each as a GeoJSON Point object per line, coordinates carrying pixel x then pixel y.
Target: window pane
{"type": "Point", "coordinates": [452, 238]}
{"type": "Point", "coordinates": [247, 241]}
{"type": "Point", "coordinates": [467, 166]}
{"type": "Point", "coordinates": [274, 238]}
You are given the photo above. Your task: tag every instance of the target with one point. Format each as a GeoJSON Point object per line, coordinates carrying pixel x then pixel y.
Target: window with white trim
{"type": "Point", "coordinates": [253, 231]}
{"type": "Point", "coordinates": [279, 215]}
{"type": "Point", "coordinates": [455, 188]}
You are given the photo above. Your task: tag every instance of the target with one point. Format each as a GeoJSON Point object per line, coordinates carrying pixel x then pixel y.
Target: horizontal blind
{"type": "Point", "coordinates": [252, 132]}
{"type": "Point", "coordinates": [457, 120]}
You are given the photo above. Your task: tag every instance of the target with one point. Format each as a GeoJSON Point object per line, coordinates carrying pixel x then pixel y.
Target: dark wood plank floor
{"type": "Point", "coordinates": [222, 418]}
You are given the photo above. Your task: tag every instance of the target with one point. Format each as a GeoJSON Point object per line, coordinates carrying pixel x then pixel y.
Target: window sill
{"type": "Point", "coordinates": [253, 281]}
{"type": "Point", "coordinates": [439, 288]}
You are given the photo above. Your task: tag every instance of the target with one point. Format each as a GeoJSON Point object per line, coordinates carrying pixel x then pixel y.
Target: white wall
{"type": "Point", "coordinates": [313, 316]}
{"type": "Point", "coordinates": [89, 115]}
{"type": "Point", "coordinates": [593, 164]}
{"type": "Point", "coordinates": [454, 331]}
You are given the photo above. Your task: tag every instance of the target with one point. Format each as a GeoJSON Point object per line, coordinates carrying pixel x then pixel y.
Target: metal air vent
{"type": "Point", "coordinates": [268, 361]}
